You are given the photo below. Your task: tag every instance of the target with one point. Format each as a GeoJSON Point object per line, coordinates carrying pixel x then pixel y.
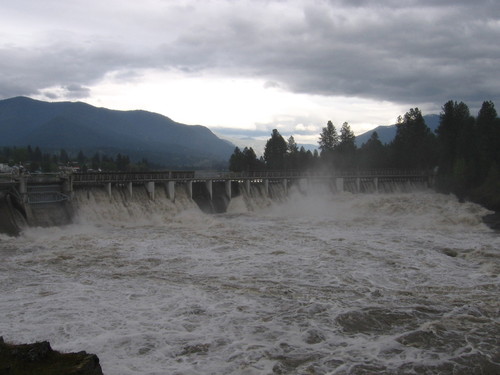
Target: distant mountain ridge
{"type": "Point", "coordinates": [140, 134]}
{"type": "Point", "coordinates": [386, 133]}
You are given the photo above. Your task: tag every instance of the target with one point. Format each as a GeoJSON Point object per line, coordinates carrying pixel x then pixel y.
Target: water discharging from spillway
{"type": "Point", "coordinates": [317, 283]}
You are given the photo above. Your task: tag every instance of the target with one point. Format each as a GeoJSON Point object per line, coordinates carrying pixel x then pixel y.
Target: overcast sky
{"type": "Point", "coordinates": [255, 65]}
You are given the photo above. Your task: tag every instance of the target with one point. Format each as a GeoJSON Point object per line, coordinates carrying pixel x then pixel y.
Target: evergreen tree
{"type": "Point", "coordinates": [414, 144]}
{"type": "Point", "coordinates": [456, 146]}
{"type": "Point", "coordinates": [275, 151]}
{"type": "Point", "coordinates": [49, 162]}
{"type": "Point", "coordinates": [302, 159]}
{"type": "Point", "coordinates": [328, 139]}
{"type": "Point", "coordinates": [292, 161]}
{"type": "Point", "coordinates": [19, 155]}
{"type": "Point", "coordinates": [107, 163]}
{"type": "Point", "coordinates": [143, 165]}
{"type": "Point", "coordinates": [346, 149]}
{"type": "Point", "coordinates": [96, 161]}
{"type": "Point", "coordinates": [488, 139]}
{"type": "Point", "coordinates": [122, 162]}
{"type": "Point", "coordinates": [454, 118]}
{"type": "Point", "coordinates": [81, 158]}
{"type": "Point", "coordinates": [37, 154]}
{"type": "Point", "coordinates": [30, 153]}
{"type": "Point", "coordinates": [373, 154]}
{"type": "Point", "coordinates": [292, 145]}
{"type": "Point", "coordinates": [63, 156]}
{"type": "Point", "coordinates": [250, 160]}
{"type": "Point", "coordinates": [36, 160]}
{"type": "Point", "coordinates": [237, 161]}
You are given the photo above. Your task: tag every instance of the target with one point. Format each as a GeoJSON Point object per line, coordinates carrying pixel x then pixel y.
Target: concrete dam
{"type": "Point", "coordinates": [52, 199]}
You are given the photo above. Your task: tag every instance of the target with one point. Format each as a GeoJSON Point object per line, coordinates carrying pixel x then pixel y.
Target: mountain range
{"type": "Point", "coordinates": [139, 134]}
{"type": "Point", "coordinates": [77, 126]}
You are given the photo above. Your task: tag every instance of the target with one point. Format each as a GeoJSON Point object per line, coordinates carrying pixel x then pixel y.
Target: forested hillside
{"type": "Point", "coordinates": [76, 126]}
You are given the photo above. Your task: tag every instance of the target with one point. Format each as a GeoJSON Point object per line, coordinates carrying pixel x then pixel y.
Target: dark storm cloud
{"type": "Point", "coordinates": [412, 52]}
{"type": "Point", "coordinates": [409, 52]}
{"type": "Point", "coordinates": [27, 71]}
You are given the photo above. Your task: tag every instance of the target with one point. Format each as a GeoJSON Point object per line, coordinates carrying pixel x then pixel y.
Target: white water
{"type": "Point", "coordinates": [319, 284]}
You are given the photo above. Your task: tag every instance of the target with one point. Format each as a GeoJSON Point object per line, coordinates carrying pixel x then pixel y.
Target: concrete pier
{"type": "Point", "coordinates": [209, 185]}
{"type": "Point", "coordinates": [171, 190]}
{"type": "Point", "coordinates": [228, 188]}
{"type": "Point", "coordinates": [189, 186]}
{"type": "Point", "coordinates": [150, 188]}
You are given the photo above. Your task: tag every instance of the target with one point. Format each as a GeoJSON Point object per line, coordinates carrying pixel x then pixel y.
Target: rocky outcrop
{"type": "Point", "coordinates": [40, 359]}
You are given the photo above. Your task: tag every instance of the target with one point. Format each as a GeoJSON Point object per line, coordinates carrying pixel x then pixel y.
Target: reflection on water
{"type": "Point", "coordinates": [317, 284]}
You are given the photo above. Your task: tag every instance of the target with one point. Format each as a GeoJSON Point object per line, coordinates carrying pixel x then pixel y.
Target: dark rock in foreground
{"type": "Point", "coordinates": [40, 359]}
{"type": "Point", "coordinates": [493, 220]}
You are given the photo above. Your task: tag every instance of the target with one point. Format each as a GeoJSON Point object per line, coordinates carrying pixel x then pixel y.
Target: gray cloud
{"type": "Point", "coordinates": [26, 71]}
{"type": "Point", "coordinates": [411, 52]}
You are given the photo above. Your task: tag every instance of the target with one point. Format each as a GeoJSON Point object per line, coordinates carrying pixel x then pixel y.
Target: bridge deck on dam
{"type": "Point", "coordinates": [116, 177]}
{"type": "Point", "coordinates": [100, 178]}
{"type": "Point", "coordinates": [40, 188]}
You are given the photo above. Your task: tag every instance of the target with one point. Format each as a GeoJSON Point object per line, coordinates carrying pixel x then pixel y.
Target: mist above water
{"type": "Point", "coordinates": [314, 283]}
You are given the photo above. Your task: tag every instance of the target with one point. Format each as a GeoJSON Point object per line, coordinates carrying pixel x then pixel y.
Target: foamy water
{"type": "Point", "coordinates": [319, 284]}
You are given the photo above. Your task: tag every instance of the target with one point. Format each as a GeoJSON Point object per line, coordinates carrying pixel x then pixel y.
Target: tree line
{"type": "Point", "coordinates": [35, 161]}
{"type": "Point", "coordinates": [464, 152]}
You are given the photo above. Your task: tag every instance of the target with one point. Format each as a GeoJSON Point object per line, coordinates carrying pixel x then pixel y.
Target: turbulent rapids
{"type": "Point", "coordinates": [316, 283]}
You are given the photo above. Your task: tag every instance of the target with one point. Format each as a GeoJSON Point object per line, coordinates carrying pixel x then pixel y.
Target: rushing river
{"type": "Point", "coordinates": [319, 284]}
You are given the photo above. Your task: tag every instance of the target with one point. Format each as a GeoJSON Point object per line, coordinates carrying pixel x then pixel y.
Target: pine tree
{"type": "Point", "coordinates": [251, 163]}
{"type": "Point", "coordinates": [63, 156]}
{"type": "Point", "coordinates": [456, 147]}
{"type": "Point", "coordinates": [275, 151]}
{"type": "Point", "coordinates": [96, 161]}
{"type": "Point", "coordinates": [328, 139]}
{"type": "Point", "coordinates": [487, 136]}
{"type": "Point", "coordinates": [346, 149]}
{"type": "Point", "coordinates": [373, 154]}
{"type": "Point", "coordinates": [414, 144]}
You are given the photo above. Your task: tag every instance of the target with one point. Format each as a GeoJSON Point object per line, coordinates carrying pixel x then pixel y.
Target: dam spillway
{"type": "Point", "coordinates": [310, 283]}
{"type": "Point", "coordinates": [47, 199]}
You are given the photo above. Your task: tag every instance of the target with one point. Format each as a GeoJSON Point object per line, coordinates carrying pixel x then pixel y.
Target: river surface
{"type": "Point", "coordinates": [402, 283]}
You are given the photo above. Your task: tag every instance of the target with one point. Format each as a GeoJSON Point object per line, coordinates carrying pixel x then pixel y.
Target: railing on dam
{"type": "Point", "coordinates": [83, 178]}
{"type": "Point", "coordinates": [117, 177]}
{"type": "Point", "coordinates": [292, 174]}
